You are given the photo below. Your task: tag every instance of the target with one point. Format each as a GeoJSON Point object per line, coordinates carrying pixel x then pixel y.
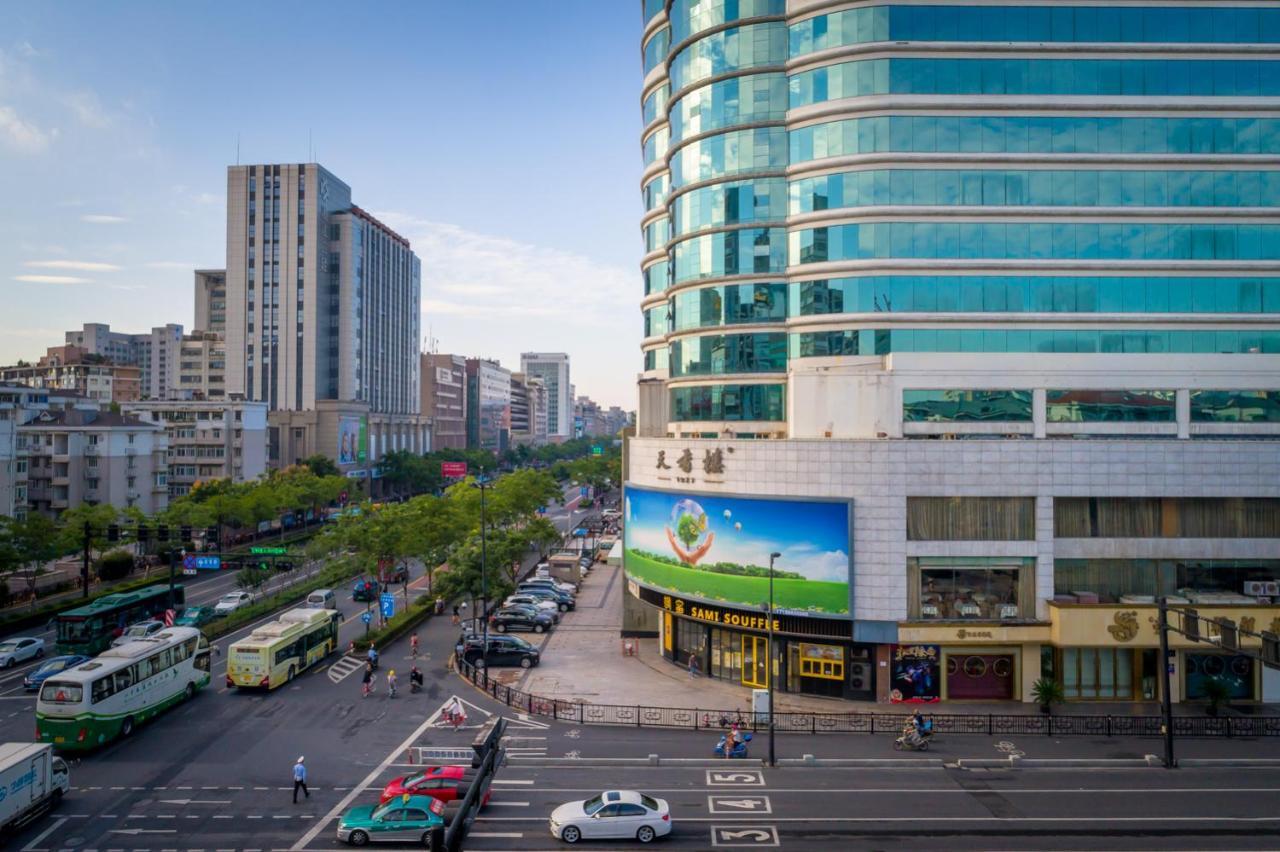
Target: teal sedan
{"type": "Point", "coordinates": [195, 616]}
{"type": "Point", "coordinates": [408, 819]}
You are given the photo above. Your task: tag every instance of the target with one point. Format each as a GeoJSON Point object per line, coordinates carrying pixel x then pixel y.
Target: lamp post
{"type": "Point", "coordinates": [481, 482]}
{"type": "Point", "coordinates": [773, 760]}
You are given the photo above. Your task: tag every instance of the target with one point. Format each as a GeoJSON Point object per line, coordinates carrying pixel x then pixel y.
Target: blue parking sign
{"type": "Point", "coordinates": [388, 605]}
{"type": "Point", "coordinates": [366, 616]}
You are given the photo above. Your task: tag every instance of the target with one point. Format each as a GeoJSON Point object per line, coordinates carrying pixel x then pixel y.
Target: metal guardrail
{"type": "Point", "coordinates": [985, 724]}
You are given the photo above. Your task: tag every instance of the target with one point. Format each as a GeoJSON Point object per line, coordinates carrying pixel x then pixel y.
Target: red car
{"type": "Point", "coordinates": [446, 783]}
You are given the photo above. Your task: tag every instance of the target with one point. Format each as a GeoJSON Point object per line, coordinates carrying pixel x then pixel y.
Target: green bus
{"type": "Point", "coordinates": [88, 630]}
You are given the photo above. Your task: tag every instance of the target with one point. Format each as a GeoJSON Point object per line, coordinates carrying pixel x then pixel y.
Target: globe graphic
{"type": "Point", "coordinates": [688, 524]}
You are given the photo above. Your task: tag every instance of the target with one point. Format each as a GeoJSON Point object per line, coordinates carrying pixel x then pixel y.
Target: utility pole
{"type": "Point", "coordinates": [773, 759]}
{"type": "Point", "coordinates": [1166, 700]}
{"type": "Point", "coordinates": [480, 483]}
{"type": "Point", "coordinates": [84, 565]}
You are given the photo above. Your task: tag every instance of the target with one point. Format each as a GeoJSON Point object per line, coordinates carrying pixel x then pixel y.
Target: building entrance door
{"type": "Point", "coordinates": [755, 661]}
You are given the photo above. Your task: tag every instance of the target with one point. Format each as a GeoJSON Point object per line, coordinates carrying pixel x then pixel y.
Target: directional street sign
{"type": "Point", "coordinates": [366, 617]}
{"type": "Point", "coordinates": [268, 551]}
{"type": "Point", "coordinates": [388, 602]}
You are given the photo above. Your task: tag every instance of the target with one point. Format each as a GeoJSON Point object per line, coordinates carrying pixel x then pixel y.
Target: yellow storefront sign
{"type": "Point", "coordinates": [975, 634]}
{"type": "Point", "coordinates": [1134, 626]}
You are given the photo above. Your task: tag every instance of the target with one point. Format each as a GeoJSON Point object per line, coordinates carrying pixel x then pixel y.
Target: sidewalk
{"type": "Point", "coordinates": [582, 660]}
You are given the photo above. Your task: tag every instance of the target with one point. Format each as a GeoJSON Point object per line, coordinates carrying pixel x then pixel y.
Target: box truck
{"type": "Point", "coordinates": [32, 780]}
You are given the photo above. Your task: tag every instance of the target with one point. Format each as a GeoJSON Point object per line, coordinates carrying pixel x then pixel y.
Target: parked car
{"type": "Point", "coordinates": [18, 649]}
{"type": "Point", "coordinates": [520, 618]}
{"type": "Point", "coordinates": [503, 651]}
{"type": "Point", "coordinates": [52, 666]}
{"type": "Point", "coordinates": [398, 574]}
{"type": "Point", "coordinates": [612, 814]}
{"type": "Point", "coordinates": [546, 605]}
{"type": "Point", "coordinates": [406, 820]}
{"type": "Point", "coordinates": [446, 783]}
{"type": "Point", "coordinates": [567, 588]}
{"type": "Point", "coordinates": [195, 616]}
{"type": "Point", "coordinates": [566, 601]}
{"type": "Point", "coordinates": [141, 630]}
{"type": "Point", "coordinates": [231, 602]}
{"type": "Point", "coordinates": [365, 590]}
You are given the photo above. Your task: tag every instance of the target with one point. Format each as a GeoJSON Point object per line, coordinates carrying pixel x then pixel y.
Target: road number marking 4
{"type": "Point", "coordinates": [739, 805]}
{"type": "Point", "coordinates": [734, 778]}
{"type": "Point", "coordinates": [730, 835]}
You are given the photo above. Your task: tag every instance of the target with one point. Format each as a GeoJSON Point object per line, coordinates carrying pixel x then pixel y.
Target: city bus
{"type": "Point", "coordinates": [278, 652]}
{"type": "Point", "coordinates": [88, 630]}
{"type": "Point", "coordinates": [94, 703]}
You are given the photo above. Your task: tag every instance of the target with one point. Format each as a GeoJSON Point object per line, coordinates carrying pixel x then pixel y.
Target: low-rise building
{"type": "Point", "coordinates": [444, 400]}
{"type": "Point", "coordinates": [99, 381]}
{"type": "Point", "coordinates": [202, 367]}
{"type": "Point", "coordinates": [209, 439]}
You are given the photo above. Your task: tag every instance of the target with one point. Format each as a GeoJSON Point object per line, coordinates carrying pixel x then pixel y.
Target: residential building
{"type": "Point", "coordinates": [971, 314]}
{"type": "Point", "coordinates": [79, 456]}
{"type": "Point", "coordinates": [587, 417]}
{"type": "Point", "coordinates": [202, 367]}
{"type": "Point", "coordinates": [615, 420]}
{"type": "Point", "coordinates": [208, 439]}
{"type": "Point", "coordinates": [539, 402]}
{"type": "Point", "coordinates": [444, 400]}
{"type": "Point", "coordinates": [94, 378]}
{"type": "Point", "coordinates": [553, 369]}
{"type": "Point", "coordinates": [488, 405]}
{"type": "Point", "coordinates": [528, 410]}
{"type": "Point", "coordinates": [211, 300]}
{"type": "Point", "coordinates": [155, 353]}
{"type": "Point", "coordinates": [322, 317]}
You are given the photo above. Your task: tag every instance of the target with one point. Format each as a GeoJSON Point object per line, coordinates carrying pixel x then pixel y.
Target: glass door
{"type": "Point", "coordinates": [755, 661]}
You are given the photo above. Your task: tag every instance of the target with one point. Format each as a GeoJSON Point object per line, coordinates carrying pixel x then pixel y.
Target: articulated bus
{"type": "Point", "coordinates": [278, 652]}
{"type": "Point", "coordinates": [89, 629]}
{"type": "Point", "coordinates": [96, 702]}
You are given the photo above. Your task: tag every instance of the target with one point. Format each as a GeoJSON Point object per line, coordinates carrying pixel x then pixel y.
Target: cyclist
{"type": "Point", "coordinates": [391, 682]}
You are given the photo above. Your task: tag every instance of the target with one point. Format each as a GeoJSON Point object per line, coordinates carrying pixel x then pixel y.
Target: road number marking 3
{"type": "Point", "coordinates": [734, 778]}
{"type": "Point", "coordinates": [731, 835]}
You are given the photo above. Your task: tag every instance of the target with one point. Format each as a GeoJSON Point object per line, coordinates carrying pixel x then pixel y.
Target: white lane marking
{"type": "Point", "coordinates": [33, 845]}
{"type": "Point", "coordinates": [495, 834]}
{"type": "Point", "coordinates": [507, 805]}
{"type": "Point", "coordinates": [1063, 818]}
{"type": "Point", "coordinates": [368, 780]}
{"type": "Point", "coordinates": [512, 781]}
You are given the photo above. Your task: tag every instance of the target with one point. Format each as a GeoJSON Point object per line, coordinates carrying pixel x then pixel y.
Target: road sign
{"type": "Point", "coordinates": [448, 468]}
{"type": "Point", "coordinates": [388, 602]}
{"type": "Point", "coordinates": [734, 778]}
{"type": "Point", "coordinates": [188, 563]}
{"type": "Point", "coordinates": [366, 617]}
{"type": "Point", "coordinates": [208, 563]}
{"type": "Point", "coordinates": [597, 451]}
{"type": "Point", "coordinates": [268, 551]}
{"type": "Point", "coordinates": [189, 572]}
{"type": "Point", "coordinates": [584, 491]}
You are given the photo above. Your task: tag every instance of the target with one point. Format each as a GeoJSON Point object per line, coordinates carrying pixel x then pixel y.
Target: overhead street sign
{"type": "Point", "coordinates": [268, 551]}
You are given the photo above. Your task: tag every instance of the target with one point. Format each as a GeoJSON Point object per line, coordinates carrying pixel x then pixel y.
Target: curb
{"type": "Point", "coordinates": [1242, 762]}
{"type": "Point", "coordinates": [651, 760]}
{"type": "Point", "coordinates": [867, 762]}
{"type": "Point", "coordinates": [1150, 761]}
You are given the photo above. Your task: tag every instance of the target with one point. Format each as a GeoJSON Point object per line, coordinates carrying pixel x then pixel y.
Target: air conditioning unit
{"type": "Point", "coordinates": [860, 675]}
{"type": "Point", "coordinates": [1262, 588]}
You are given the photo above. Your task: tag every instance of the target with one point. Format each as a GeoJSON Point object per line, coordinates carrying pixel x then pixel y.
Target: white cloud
{"type": "Point", "coordinates": [102, 219]}
{"type": "Point", "coordinates": [27, 50]}
{"type": "Point", "coordinates": [52, 279]}
{"type": "Point", "coordinates": [87, 109]}
{"type": "Point", "coordinates": [77, 265]}
{"type": "Point", "coordinates": [21, 135]}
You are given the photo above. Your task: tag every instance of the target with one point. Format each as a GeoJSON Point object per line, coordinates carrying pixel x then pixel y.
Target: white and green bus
{"type": "Point", "coordinates": [94, 703]}
{"type": "Point", "coordinates": [278, 652]}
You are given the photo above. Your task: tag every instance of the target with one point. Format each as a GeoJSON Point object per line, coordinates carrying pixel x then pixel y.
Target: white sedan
{"type": "Point", "coordinates": [14, 651]}
{"type": "Point", "coordinates": [546, 605]}
{"type": "Point", "coordinates": [232, 602]}
{"type": "Point", "coordinates": [141, 630]}
{"type": "Point", "coordinates": [612, 814]}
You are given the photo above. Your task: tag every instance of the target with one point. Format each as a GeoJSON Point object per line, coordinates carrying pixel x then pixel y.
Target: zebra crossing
{"type": "Point", "coordinates": [344, 668]}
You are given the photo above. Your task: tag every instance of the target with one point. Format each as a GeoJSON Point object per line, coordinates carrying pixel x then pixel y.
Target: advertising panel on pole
{"type": "Point", "coordinates": [717, 548]}
{"type": "Point", "coordinates": [453, 468]}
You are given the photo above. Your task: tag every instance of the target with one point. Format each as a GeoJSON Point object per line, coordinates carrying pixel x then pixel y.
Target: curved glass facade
{"type": "Point", "coordinates": [719, 354]}
{"type": "Point", "coordinates": [656, 191]}
{"type": "Point", "coordinates": [736, 152]}
{"type": "Point", "coordinates": [1034, 294]}
{"type": "Point", "coordinates": [1035, 240]}
{"type": "Point", "coordinates": [655, 105]}
{"type": "Point", "coordinates": [655, 145]}
{"type": "Point", "coordinates": [753, 99]}
{"type": "Point", "coordinates": [734, 203]}
{"type": "Point", "coordinates": [655, 321]}
{"type": "Point", "coordinates": [652, 8]}
{"type": "Point", "coordinates": [655, 49]}
{"type": "Point", "coordinates": [729, 304]}
{"type": "Point", "coordinates": [655, 277]}
{"type": "Point", "coordinates": [751, 251]}
{"type": "Point", "coordinates": [727, 51]}
{"type": "Point", "coordinates": [729, 402]}
{"type": "Point", "coordinates": [693, 16]}
{"type": "Point", "coordinates": [885, 341]}
{"type": "Point", "coordinates": [1036, 188]}
{"type": "Point", "coordinates": [849, 26]}
{"type": "Point", "coordinates": [656, 234]}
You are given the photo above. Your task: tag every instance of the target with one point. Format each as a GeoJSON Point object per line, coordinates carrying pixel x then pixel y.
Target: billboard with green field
{"type": "Point", "coordinates": [717, 548]}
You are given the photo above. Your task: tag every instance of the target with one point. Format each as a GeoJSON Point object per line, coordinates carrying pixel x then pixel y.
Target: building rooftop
{"type": "Point", "coordinates": [363, 214]}
{"type": "Point", "coordinates": [78, 418]}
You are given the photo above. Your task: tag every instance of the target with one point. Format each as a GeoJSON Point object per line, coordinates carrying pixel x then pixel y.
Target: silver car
{"type": "Point", "coordinates": [18, 649]}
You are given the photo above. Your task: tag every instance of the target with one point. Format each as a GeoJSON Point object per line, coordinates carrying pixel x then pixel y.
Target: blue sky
{"type": "Point", "coordinates": [501, 138]}
{"type": "Point", "coordinates": [812, 537]}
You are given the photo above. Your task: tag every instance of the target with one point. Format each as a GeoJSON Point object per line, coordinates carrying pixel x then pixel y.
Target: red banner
{"type": "Point", "coordinates": [458, 469]}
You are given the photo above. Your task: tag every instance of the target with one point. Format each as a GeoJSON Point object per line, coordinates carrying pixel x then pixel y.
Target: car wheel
{"type": "Point", "coordinates": [570, 834]}
{"type": "Point", "coordinates": [191, 691]}
{"type": "Point", "coordinates": [564, 607]}
{"type": "Point", "coordinates": [358, 838]}
{"type": "Point", "coordinates": [501, 628]}
{"type": "Point", "coordinates": [526, 663]}
{"type": "Point", "coordinates": [538, 628]}
{"type": "Point", "coordinates": [126, 727]}
{"type": "Point", "coordinates": [646, 834]}
{"type": "Point", "coordinates": [11, 662]}
{"type": "Point", "coordinates": [39, 653]}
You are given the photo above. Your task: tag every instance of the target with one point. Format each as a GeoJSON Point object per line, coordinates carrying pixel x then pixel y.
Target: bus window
{"type": "Point", "coordinates": [103, 688]}
{"type": "Point", "coordinates": [202, 661]}
{"type": "Point", "coordinates": [61, 693]}
{"type": "Point", "coordinates": [124, 679]}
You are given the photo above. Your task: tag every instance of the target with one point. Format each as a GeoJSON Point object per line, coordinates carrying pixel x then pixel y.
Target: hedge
{"type": "Point", "coordinates": [417, 612]}
{"type": "Point", "coordinates": [40, 616]}
{"type": "Point", "coordinates": [333, 576]}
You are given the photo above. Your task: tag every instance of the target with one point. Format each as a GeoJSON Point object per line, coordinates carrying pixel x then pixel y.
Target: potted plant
{"type": "Point", "coordinates": [1216, 692]}
{"type": "Point", "coordinates": [1047, 692]}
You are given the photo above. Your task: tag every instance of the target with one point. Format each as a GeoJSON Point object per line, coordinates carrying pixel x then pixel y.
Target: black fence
{"type": "Point", "coordinates": [988, 724]}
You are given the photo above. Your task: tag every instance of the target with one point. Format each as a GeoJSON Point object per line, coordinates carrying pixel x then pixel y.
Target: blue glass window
{"type": "Point", "coordinates": [655, 145]}
{"type": "Point", "coordinates": [656, 234]}
{"type": "Point", "coordinates": [1235, 406]}
{"type": "Point", "coordinates": [884, 341]}
{"type": "Point", "coordinates": [656, 49]}
{"type": "Point", "coordinates": [1110, 406]}
{"type": "Point", "coordinates": [655, 192]}
{"type": "Point", "coordinates": [653, 7]}
{"type": "Point", "coordinates": [739, 100]}
{"type": "Point", "coordinates": [752, 251]}
{"type": "Point", "coordinates": [734, 49]}
{"type": "Point", "coordinates": [655, 105]}
{"type": "Point", "coordinates": [729, 304]}
{"type": "Point", "coordinates": [655, 321]}
{"type": "Point", "coordinates": [735, 152]}
{"type": "Point", "coordinates": [719, 354]}
{"type": "Point", "coordinates": [729, 402]}
{"type": "Point", "coordinates": [946, 406]}
{"type": "Point", "coordinates": [657, 359]}
{"type": "Point", "coordinates": [655, 277]}
{"type": "Point", "coordinates": [735, 203]}
{"type": "Point", "coordinates": [850, 26]}
{"type": "Point", "coordinates": [692, 16]}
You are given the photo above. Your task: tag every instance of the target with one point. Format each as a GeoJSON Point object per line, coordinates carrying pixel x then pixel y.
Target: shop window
{"type": "Point", "coordinates": [1097, 673]}
{"type": "Point", "coordinates": [971, 518]}
{"type": "Point", "coordinates": [958, 589]}
{"type": "Point", "coordinates": [1139, 581]}
{"type": "Point", "coordinates": [1167, 517]}
{"type": "Point", "coordinates": [824, 661]}
{"type": "Point", "coordinates": [1233, 672]}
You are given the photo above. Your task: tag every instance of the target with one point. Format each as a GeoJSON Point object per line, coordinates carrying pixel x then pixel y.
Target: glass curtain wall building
{"type": "Point", "coordinates": [906, 223]}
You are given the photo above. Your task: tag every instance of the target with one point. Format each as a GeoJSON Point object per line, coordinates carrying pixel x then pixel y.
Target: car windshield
{"type": "Point", "coordinates": [410, 780]}
{"type": "Point", "coordinates": [139, 630]}
{"type": "Point", "coordinates": [8, 646]}
{"type": "Point", "coordinates": [382, 810]}
{"type": "Point", "coordinates": [230, 599]}
{"type": "Point", "coordinates": [53, 666]}
{"type": "Point", "coordinates": [590, 806]}
{"type": "Point", "coordinates": [522, 644]}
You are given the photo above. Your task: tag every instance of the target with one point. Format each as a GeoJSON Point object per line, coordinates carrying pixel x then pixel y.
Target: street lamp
{"type": "Point", "coordinates": [773, 761]}
{"type": "Point", "coordinates": [481, 482]}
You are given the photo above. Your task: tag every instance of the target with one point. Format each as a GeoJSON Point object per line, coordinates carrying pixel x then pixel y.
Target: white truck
{"type": "Point", "coordinates": [32, 781]}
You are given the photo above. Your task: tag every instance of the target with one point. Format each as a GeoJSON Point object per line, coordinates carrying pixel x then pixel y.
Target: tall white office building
{"type": "Point", "coordinates": [553, 369]}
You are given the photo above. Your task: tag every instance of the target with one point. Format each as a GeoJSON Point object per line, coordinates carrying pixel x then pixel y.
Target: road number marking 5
{"type": "Point", "coordinates": [728, 835]}
{"type": "Point", "coordinates": [731, 778]}
{"type": "Point", "coordinates": [739, 804]}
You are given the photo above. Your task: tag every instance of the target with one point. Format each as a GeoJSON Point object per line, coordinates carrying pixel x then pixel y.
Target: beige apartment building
{"type": "Point", "coordinates": [211, 300]}
{"type": "Point", "coordinates": [209, 439]}
{"type": "Point", "coordinates": [202, 367]}
{"type": "Point", "coordinates": [100, 382]}
{"type": "Point", "coordinates": [79, 456]}
{"type": "Point", "coordinates": [444, 400]}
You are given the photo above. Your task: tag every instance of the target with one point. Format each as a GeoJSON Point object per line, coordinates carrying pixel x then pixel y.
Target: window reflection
{"type": "Point", "coordinates": [968, 592]}
{"type": "Point", "coordinates": [740, 100]}
{"type": "Point", "coordinates": [1110, 406]}
{"type": "Point", "coordinates": [884, 341]}
{"type": "Point", "coordinates": [744, 252]}
{"type": "Point", "coordinates": [730, 50]}
{"type": "Point", "coordinates": [730, 304]}
{"type": "Point", "coordinates": [1137, 581]}
{"type": "Point", "coordinates": [733, 203]}
{"type": "Point", "coordinates": [729, 353]}
{"type": "Point", "coordinates": [946, 406]}
{"type": "Point", "coordinates": [1235, 406]}
{"type": "Point", "coordinates": [729, 402]}
{"type": "Point", "coordinates": [691, 16]}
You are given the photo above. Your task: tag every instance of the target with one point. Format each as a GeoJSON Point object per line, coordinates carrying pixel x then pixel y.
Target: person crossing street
{"type": "Point", "coordinates": [300, 780]}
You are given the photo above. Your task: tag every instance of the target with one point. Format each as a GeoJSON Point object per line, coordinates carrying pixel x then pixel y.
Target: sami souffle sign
{"type": "Point", "coordinates": [717, 548]}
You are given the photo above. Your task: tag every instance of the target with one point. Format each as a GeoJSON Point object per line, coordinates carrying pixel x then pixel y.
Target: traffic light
{"type": "Point", "coordinates": [1191, 625]}
{"type": "Point", "coordinates": [211, 534]}
{"type": "Point", "coordinates": [1229, 638]}
{"type": "Point", "coordinates": [1270, 649]}
{"type": "Point", "coordinates": [162, 533]}
{"type": "Point", "coordinates": [113, 533]}
{"type": "Point", "coordinates": [184, 533]}
{"type": "Point", "coordinates": [143, 534]}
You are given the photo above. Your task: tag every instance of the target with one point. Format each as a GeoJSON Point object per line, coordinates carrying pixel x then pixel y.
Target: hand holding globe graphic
{"type": "Point", "coordinates": [688, 527]}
